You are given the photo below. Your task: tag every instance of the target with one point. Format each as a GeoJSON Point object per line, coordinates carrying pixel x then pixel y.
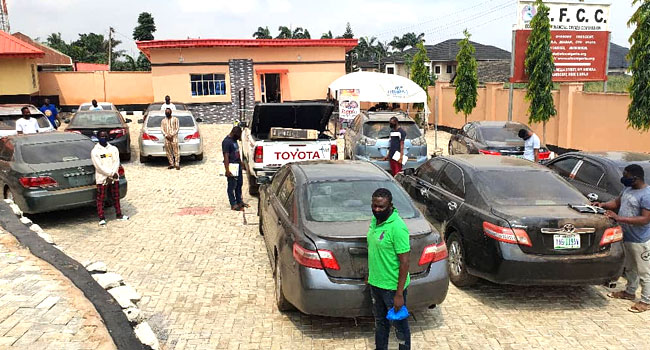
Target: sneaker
{"type": "Point", "coordinates": [178, 167]}
{"type": "Point", "coordinates": [102, 222]}
{"type": "Point", "coordinates": [123, 218]}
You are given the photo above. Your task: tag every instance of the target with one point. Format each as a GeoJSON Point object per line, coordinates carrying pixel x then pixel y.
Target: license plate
{"type": "Point", "coordinates": [77, 181]}
{"type": "Point", "coordinates": [561, 242]}
{"type": "Point", "coordinates": [94, 139]}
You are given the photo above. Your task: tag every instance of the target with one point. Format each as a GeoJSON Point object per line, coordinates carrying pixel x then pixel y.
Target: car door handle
{"type": "Point", "coordinates": [452, 206]}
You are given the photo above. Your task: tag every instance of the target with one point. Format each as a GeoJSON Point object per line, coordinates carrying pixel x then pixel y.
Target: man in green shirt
{"type": "Point", "coordinates": [388, 266]}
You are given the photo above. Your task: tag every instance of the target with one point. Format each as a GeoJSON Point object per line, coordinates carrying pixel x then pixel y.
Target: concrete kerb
{"type": "Point", "coordinates": [115, 301]}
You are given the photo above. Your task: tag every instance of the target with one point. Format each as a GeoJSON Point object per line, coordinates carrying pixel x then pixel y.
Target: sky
{"type": "Point", "coordinates": [489, 21]}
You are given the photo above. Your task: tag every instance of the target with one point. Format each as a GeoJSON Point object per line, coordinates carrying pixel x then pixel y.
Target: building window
{"type": "Point", "coordinates": [208, 84]}
{"type": "Point", "coordinates": [449, 69]}
{"type": "Point", "coordinates": [438, 69]}
{"type": "Point", "coordinates": [390, 70]}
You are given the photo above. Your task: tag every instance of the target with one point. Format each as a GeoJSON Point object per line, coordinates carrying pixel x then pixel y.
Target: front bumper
{"type": "Point", "coordinates": [313, 292]}
{"type": "Point", "coordinates": [384, 164]}
{"type": "Point", "coordinates": [516, 267]}
{"type": "Point", "coordinates": [40, 201]}
{"type": "Point", "coordinates": [157, 149]}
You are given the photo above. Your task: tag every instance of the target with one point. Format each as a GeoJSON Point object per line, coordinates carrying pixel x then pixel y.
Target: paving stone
{"type": "Point", "coordinates": [127, 292]}
{"type": "Point", "coordinates": [134, 315]}
{"type": "Point", "coordinates": [121, 298]}
{"type": "Point", "coordinates": [108, 280]}
{"type": "Point", "coordinates": [97, 267]}
{"type": "Point", "coordinates": [146, 335]}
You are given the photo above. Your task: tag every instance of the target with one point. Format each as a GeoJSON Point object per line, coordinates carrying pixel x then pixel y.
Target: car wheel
{"type": "Point", "coordinates": [280, 300]}
{"type": "Point", "coordinates": [143, 159]}
{"type": "Point", "coordinates": [199, 157]}
{"type": "Point", "coordinates": [458, 274]}
{"type": "Point", "coordinates": [125, 157]}
{"type": "Point", "coordinates": [253, 187]}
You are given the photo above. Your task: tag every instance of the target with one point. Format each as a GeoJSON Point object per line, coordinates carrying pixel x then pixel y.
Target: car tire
{"type": "Point", "coordinates": [143, 159]}
{"type": "Point", "coordinates": [282, 303]}
{"type": "Point", "coordinates": [458, 274]}
{"type": "Point", "coordinates": [253, 187]}
{"type": "Point", "coordinates": [125, 157]}
{"type": "Point", "coordinates": [199, 157]}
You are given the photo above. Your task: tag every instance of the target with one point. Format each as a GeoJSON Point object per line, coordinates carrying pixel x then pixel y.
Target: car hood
{"type": "Point", "coordinates": [290, 115]}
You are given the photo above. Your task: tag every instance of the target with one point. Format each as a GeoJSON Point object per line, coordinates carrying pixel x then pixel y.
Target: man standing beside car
{"type": "Point", "coordinates": [230, 149]}
{"type": "Point", "coordinates": [106, 159]}
{"type": "Point", "coordinates": [388, 266]}
{"type": "Point", "coordinates": [53, 116]}
{"type": "Point", "coordinates": [169, 127]}
{"type": "Point", "coordinates": [532, 145]}
{"type": "Point", "coordinates": [26, 124]}
{"type": "Point", "coordinates": [397, 137]}
{"type": "Point", "coordinates": [633, 206]}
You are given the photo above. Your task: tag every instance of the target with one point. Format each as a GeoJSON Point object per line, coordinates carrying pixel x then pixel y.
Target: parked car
{"type": "Point", "coordinates": [107, 106]}
{"type": "Point", "coordinates": [314, 217]}
{"type": "Point", "coordinates": [152, 141]}
{"type": "Point", "coordinates": [157, 105]}
{"type": "Point", "coordinates": [47, 172]}
{"type": "Point", "coordinates": [90, 123]}
{"type": "Point", "coordinates": [368, 139]}
{"type": "Point", "coordinates": [496, 138]}
{"type": "Point", "coordinates": [507, 220]}
{"type": "Point", "coordinates": [9, 113]}
{"type": "Point", "coordinates": [597, 175]}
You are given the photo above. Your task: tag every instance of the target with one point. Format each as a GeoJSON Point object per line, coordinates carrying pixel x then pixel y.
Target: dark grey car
{"type": "Point", "coordinates": [315, 217]}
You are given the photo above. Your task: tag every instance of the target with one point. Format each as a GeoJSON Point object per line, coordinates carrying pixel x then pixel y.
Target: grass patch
{"type": "Point", "coordinates": [616, 83]}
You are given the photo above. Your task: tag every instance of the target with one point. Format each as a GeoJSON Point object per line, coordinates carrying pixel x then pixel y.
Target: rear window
{"type": "Point", "coordinates": [514, 188]}
{"type": "Point", "coordinates": [184, 121]}
{"type": "Point", "coordinates": [95, 119]}
{"type": "Point", "coordinates": [8, 122]}
{"type": "Point", "coordinates": [56, 152]}
{"type": "Point", "coordinates": [156, 107]}
{"type": "Point", "coordinates": [104, 107]}
{"type": "Point", "coordinates": [381, 130]}
{"type": "Point", "coordinates": [507, 133]}
{"type": "Point", "coordinates": [350, 201]}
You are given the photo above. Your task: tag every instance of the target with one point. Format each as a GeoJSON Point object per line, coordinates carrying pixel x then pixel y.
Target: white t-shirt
{"type": "Point", "coordinates": [170, 106]}
{"type": "Point", "coordinates": [530, 146]}
{"type": "Point", "coordinates": [93, 108]}
{"type": "Point", "coordinates": [27, 126]}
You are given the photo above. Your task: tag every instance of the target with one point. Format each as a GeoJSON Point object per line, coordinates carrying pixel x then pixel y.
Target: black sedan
{"type": "Point", "coordinates": [494, 138]}
{"type": "Point", "coordinates": [507, 220]}
{"type": "Point", "coordinates": [47, 172]}
{"type": "Point", "coordinates": [92, 122]}
{"type": "Point", "coordinates": [597, 175]}
{"type": "Point", "coordinates": [315, 217]}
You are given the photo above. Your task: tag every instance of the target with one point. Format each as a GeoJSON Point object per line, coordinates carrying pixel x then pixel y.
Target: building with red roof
{"type": "Point", "coordinates": [53, 60]}
{"type": "Point", "coordinates": [18, 68]}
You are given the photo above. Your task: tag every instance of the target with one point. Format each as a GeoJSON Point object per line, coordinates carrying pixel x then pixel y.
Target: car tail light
{"type": "Point", "coordinates": [120, 171]}
{"type": "Point", "coordinates": [194, 136]}
{"type": "Point", "coordinates": [149, 137]}
{"type": "Point", "coordinates": [544, 155]}
{"type": "Point", "coordinates": [117, 132]}
{"type": "Point", "coordinates": [38, 182]}
{"type": "Point", "coordinates": [612, 235]}
{"type": "Point", "coordinates": [334, 152]}
{"type": "Point", "coordinates": [506, 234]}
{"type": "Point", "coordinates": [259, 154]}
{"type": "Point", "coordinates": [489, 153]}
{"type": "Point", "coordinates": [433, 253]}
{"type": "Point", "coordinates": [315, 259]}
{"type": "Point", "coordinates": [73, 131]}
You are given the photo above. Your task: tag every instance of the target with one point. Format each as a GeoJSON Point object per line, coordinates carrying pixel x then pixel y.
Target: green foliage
{"type": "Point", "coordinates": [348, 32]}
{"type": "Point", "coordinates": [407, 40]}
{"type": "Point", "coordinates": [351, 57]}
{"type": "Point", "coordinates": [420, 74]}
{"type": "Point", "coordinates": [615, 83]}
{"type": "Point", "coordinates": [300, 33]}
{"type": "Point", "coordinates": [285, 33]}
{"type": "Point", "coordinates": [56, 42]}
{"type": "Point", "coordinates": [638, 115]}
{"type": "Point", "coordinates": [262, 33]}
{"type": "Point", "coordinates": [466, 77]}
{"type": "Point", "coordinates": [540, 67]}
{"type": "Point", "coordinates": [145, 28]}
{"type": "Point", "coordinates": [327, 35]}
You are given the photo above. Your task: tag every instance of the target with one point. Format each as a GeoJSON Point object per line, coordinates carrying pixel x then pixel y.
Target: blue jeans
{"type": "Point", "coordinates": [382, 301]}
{"type": "Point", "coordinates": [234, 188]}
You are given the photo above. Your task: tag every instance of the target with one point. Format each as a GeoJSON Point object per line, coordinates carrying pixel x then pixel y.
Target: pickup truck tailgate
{"type": "Point", "coordinates": [281, 152]}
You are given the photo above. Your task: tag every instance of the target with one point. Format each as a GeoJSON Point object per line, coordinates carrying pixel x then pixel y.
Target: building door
{"type": "Point", "coordinates": [271, 87]}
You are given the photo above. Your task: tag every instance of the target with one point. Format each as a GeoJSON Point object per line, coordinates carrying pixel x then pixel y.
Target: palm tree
{"type": "Point", "coordinates": [412, 40]}
{"type": "Point", "coordinates": [262, 33]}
{"type": "Point", "coordinates": [300, 33]}
{"type": "Point", "coordinates": [365, 48]}
{"type": "Point", "coordinates": [285, 33]}
{"type": "Point", "coordinates": [398, 43]}
{"type": "Point", "coordinates": [327, 35]}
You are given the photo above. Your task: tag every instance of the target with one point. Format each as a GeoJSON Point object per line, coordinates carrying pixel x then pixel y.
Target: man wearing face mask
{"type": "Point", "coordinates": [397, 137]}
{"type": "Point", "coordinates": [532, 145]}
{"type": "Point", "coordinates": [106, 159]}
{"type": "Point", "coordinates": [633, 207]}
{"type": "Point", "coordinates": [388, 266]}
{"type": "Point", "coordinates": [170, 126]}
{"type": "Point", "coordinates": [230, 149]}
{"type": "Point", "coordinates": [26, 124]}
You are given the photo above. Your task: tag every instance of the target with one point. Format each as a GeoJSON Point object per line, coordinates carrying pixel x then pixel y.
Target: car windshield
{"type": "Point", "coordinates": [156, 107]}
{"type": "Point", "coordinates": [507, 133]}
{"type": "Point", "coordinates": [184, 121]}
{"type": "Point", "coordinates": [514, 188]}
{"type": "Point", "coordinates": [104, 107]}
{"type": "Point", "coordinates": [95, 119]}
{"type": "Point", "coordinates": [381, 130]}
{"type": "Point", "coordinates": [8, 122]}
{"type": "Point", "coordinates": [56, 152]}
{"type": "Point", "coordinates": [345, 201]}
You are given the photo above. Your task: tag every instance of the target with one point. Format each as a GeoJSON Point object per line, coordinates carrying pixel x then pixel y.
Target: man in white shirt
{"type": "Point", "coordinates": [26, 124]}
{"type": "Point", "coordinates": [106, 159]}
{"type": "Point", "coordinates": [95, 106]}
{"type": "Point", "coordinates": [531, 145]}
{"type": "Point", "coordinates": [167, 104]}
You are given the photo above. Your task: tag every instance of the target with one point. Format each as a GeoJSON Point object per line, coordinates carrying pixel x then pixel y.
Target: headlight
{"type": "Point", "coordinates": [420, 141]}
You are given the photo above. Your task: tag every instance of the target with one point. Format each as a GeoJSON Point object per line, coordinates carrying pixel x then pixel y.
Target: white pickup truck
{"type": "Point", "coordinates": [263, 155]}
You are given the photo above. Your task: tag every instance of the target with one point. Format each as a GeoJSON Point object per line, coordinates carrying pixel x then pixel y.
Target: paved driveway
{"type": "Point", "coordinates": [206, 283]}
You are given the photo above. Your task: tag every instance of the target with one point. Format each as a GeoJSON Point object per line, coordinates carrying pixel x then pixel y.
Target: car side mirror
{"type": "Point", "coordinates": [67, 121]}
{"type": "Point", "coordinates": [409, 171]}
{"type": "Point", "coordinates": [140, 121]}
{"type": "Point", "coordinates": [199, 120]}
{"type": "Point", "coordinates": [263, 180]}
{"type": "Point", "coordinates": [128, 120]}
{"type": "Point", "coordinates": [592, 197]}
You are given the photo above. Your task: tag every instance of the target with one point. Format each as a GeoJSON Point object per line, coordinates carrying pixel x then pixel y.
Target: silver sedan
{"type": "Point", "coordinates": [152, 141]}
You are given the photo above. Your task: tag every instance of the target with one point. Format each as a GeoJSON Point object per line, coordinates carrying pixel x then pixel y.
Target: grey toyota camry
{"type": "Point", "coordinates": [315, 216]}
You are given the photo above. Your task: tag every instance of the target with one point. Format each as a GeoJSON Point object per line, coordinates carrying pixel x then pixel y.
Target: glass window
{"type": "Point", "coordinates": [564, 166]}
{"type": "Point", "coordinates": [471, 133]}
{"type": "Point", "coordinates": [590, 174]}
{"type": "Point", "coordinates": [8, 122]}
{"type": "Point", "coordinates": [157, 106]}
{"type": "Point", "coordinates": [513, 188]}
{"type": "Point", "coordinates": [506, 133]}
{"type": "Point", "coordinates": [184, 121]}
{"type": "Point", "coordinates": [438, 69]}
{"type": "Point", "coordinates": [286, 190]}
{"type": "Point", "coordinates": [451, 180]}
{"type": "Point", "coordinates": [429, 170]}
{"type": "Point", "coordinates": [390, 70]}
{"type": "Point", "coordinates": [381, 130]}
{"type": "Point", "coordinates": [346, 201]}
{"type": "Point", "coordinates": [58, 152]}
{"type": "Point", "coordinates": [82, 120]}
{"type": "Point", "coordinates": [208, 84]}
{"type": "Point", "coordinates": [449, 69]}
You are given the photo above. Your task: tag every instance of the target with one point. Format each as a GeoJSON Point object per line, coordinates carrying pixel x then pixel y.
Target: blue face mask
{"type": "Point", "coordinates": [103, 141]}
{"type": "Point", "coordinates": [628, 181]}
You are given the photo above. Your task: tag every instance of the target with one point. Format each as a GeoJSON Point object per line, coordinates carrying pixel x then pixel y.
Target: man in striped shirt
{"type": "Point", "coordinates": [169, 127]}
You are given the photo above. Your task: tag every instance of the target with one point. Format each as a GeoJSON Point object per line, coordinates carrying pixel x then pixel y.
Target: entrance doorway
{"type": "Point", "coordinates": [271, 91]}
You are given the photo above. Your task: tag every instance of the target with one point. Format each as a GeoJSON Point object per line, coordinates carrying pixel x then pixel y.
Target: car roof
{"type": "Point", "coordinates": [174, 113]}
{"type": "Point", "coordinates": [386, 116]}
{"type": "Point", "coordinates": [339, 170]}
{"type": "Point", "coordinates": [98, 103]}
{"type": "Point", "coordinates": [163, 102]}
{"type": "Point", "coordinates": [9, 109]}
{"type": "Point", "coordinates": [54, 136]}
{"type": "Point", "coordinates": [618, 158]}
{"type": "Point", "coordinates": [103, 111]}
{"type": "Point", "coordinates": [479, 162]}
{"type": "Point", "coordinates": [498, 123]}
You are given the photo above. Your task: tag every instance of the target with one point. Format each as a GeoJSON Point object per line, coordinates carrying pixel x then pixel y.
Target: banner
{"type": "Point", "coordinates": [349, 104]}
{"type": "Point", "coordinates": [573, 16]}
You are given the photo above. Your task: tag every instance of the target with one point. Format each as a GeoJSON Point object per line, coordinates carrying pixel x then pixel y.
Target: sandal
{"type": "Point", "coordinates": [639, 307]}
{"type": "Point", "coordinates": [244, 205]}
{"type": "Point", "coordinates": [621, 295]}
{"type": "Point", "coordinates": [236, 207]}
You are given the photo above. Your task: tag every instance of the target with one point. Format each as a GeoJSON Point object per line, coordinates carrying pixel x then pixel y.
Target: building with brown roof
{"type": "Point", "coordinates": [53, 60]}
{"type": "Point", "coordinates": [18, 70]}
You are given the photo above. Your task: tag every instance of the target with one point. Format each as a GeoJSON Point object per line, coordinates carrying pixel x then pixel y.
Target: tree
{"type": "Point", "coordinates": [285, 33]}
{"type": "Point", "coordinates": [55, 41]}
{"type": "Point", "coordinates": [145, 28]}
{"type": "Point", "coordinates": [466, 77]}
{"type": "Point", "coordinates": [365, 49]}
{"type": "Point", "coordinates": [638, 115]}
{"type": "Point", "coordinates": [327, 35]}
{"type": "Point", "coordinates": [407, 40]}
{"type": "Point", "coordinates": [421, 75]}
{"type": "Point", "coordinates": [351, 56]}
{"type": "Point", "coordinates": [348, 32]}
{"type": "Point", "coordinates": [539, 68]}
{"type": "Point", "coordinates": [262, 33]}
{"type": "Point", "coordinates": [300, 33]}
